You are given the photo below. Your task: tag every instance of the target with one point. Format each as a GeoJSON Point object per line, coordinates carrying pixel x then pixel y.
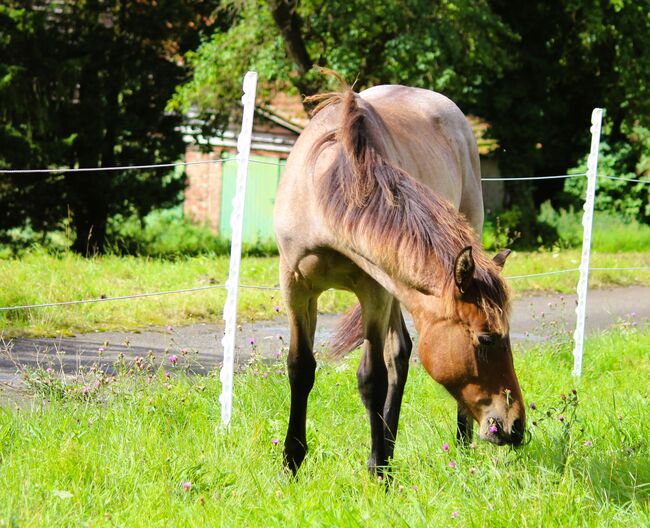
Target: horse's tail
{"type": "Point", "coordinates": [349, 334]}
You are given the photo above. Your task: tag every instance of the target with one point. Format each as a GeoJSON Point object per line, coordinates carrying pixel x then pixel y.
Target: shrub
{"type": "Point", "coordinates": [167, 234]}
{"type": "Point", "coordinates": [631, 159]}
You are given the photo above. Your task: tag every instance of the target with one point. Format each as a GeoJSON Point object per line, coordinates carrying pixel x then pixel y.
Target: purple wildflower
{"type": "Point", "coordinates": [276, 308]}
{"type": "Point", "coordinates": [445, 446]}
{"type": "Point", "coordinates": [168, 374]}
{"type": "Point", "coordinates": [251, 341]}
{"type": "Point", "coordinates": [173, 359]}
{"type": "Point", "coordinates": [277, 354]}
{"type": "Point", "coordinates": [275, 441]}
{"type": "Point", "coordinates": [170, 328]}
{"type": "Point", "coordinates": [454, 515]}
{"type": "Point", "coordinates": [493, 429]}
{"type": "Point", "coordinates": [452, 464]}
{"type": "Point", "coordinates": [85, 389]}
{"type": "Point", "coordinates": [561, 418]}
{"type": "Point", "coordinates": [532, 406]}
{"type": "Point", "coordinates": [187, 485]}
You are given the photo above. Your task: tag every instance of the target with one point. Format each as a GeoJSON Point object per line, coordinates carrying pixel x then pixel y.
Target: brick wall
{"type": "Point", "coordinates": [203, 192]}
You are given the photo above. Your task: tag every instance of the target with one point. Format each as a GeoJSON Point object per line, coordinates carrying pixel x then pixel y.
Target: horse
{"type": "Point", "coordinates": [381, 196]}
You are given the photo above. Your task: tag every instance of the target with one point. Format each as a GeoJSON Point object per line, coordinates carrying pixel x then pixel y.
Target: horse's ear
{"type": "Point", "coordinates": [464, 269]}
{"type": "Point", "coordinates": [500, 258]}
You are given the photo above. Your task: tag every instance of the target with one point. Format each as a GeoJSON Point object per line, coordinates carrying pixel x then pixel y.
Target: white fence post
{"type": "Point", "coordinates": [587, 222]}
{"type": "Point", "coordinates": [236, 224]}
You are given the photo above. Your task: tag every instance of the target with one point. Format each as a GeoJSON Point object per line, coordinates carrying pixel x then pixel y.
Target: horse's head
{"type": "Point", "coordinates": [467, 349]}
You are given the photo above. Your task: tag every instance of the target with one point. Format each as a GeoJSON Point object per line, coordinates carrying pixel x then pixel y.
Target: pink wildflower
{"type": "Point", "coordinates": [275, 441]}
{"type": "Point", "coordinates": [493, 429]}
{"type": "Point", "coordinates": [173, 359]}
{"type": "Point", "coordinates": [187, 485]}
{"type": "Point", "coordinates": [452, 464]}
{"type": "Point", "coordinates": [454, 515]}
{"type": "Point", "coordinates": [445, 446]}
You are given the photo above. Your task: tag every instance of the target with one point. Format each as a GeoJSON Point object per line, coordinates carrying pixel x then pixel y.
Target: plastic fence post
{"type": "Point", "coordinates": [236, 224]}
{"type": "Point", "coordinates": [587, 222]}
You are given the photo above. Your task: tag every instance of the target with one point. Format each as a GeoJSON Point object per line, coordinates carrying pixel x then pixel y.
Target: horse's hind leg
{"type": "Point", "coordinates": [397, 351]}
{"type": "Point", "coordinates": [301, 367]}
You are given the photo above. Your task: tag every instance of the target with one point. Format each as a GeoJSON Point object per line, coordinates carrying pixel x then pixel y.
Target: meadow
{"type": "Point", "coordinates": [145, 447]}
{"type": "Point", "coordinates": [41, 277]}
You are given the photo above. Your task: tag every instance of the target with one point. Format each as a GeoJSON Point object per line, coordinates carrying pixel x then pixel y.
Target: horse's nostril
{"type": "Point", "coordinates": [517, 432]}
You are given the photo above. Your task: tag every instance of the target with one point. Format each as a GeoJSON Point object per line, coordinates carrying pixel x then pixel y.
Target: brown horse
{"type": "Point", "coordinates": [369, 202]}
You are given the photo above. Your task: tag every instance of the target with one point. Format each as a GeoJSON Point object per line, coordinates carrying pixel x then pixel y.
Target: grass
{"type": "Point", "coordinates": [146, 450]}
{"type": "Point", "coordinates": [42, 278]}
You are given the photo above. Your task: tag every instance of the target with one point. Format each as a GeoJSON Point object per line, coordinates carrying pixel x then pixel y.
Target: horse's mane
{"type": "Point", "coordinates": [389, 217]}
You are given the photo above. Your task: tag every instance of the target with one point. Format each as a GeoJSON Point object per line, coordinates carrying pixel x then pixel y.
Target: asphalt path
{"type": "Point", "coordinates": [535, 318]}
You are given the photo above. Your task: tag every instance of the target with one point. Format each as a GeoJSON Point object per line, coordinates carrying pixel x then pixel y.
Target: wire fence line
{"type": "Point", "coordinates": [63, 170]}
{"type": "Point", "coordinates": [261, 287]}
{"type": "Point", "coordinates": [119, 168]}
{"type": "Point", "coordinates": [623, 179]}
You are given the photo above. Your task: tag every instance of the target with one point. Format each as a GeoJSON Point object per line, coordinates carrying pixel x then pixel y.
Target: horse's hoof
{"type": "Point", "coordinates": [293, 457]}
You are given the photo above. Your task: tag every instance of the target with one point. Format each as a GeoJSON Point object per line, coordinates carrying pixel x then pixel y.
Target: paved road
{"type": "Point", "coordinates": [534, 319]}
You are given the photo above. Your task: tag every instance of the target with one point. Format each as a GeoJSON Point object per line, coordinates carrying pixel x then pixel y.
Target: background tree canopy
{"type": "Point", "coordinates": [95, 83]}
{"type": "Point", "coordinates": [85, 84]}
{"type": "Point", "coordinates": [533, 70]}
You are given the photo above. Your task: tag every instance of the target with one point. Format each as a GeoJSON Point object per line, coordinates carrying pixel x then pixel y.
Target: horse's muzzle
{"type": "Point", "coordinates": [497, 434]}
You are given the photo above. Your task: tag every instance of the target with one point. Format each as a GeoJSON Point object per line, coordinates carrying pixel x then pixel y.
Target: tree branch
{"type": "Point", "coordinates": [289, 24]}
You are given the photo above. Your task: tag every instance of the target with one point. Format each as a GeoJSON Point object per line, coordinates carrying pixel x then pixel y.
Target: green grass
{"type": "Point", "coordinates": [42, 278]}
{"type": "Point", "coordinates": [120, 455]}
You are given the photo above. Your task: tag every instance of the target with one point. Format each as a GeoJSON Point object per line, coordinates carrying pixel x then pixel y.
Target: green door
{"type": "Point", "coordinates": [261, 186]}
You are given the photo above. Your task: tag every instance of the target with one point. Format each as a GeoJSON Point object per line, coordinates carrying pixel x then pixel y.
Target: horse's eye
{"type": "Point", "coordinates": [486, 339]}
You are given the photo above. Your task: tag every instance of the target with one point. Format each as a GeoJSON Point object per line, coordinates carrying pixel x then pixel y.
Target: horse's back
{"type": "Point", "coordinates": [427, 136]}
{"type": "Point", "coordinates": [433, 142]}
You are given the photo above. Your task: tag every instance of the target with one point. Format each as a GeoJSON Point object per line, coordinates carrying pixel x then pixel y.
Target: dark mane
{"type": "Point", "coordinates": [386, 215]}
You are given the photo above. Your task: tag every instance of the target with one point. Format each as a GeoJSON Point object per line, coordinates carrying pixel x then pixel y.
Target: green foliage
{"type": "Point", "coordinates": [630, 159]}
{"type": "Point", "coordinates": [611, 233]}
{"type": "Point", "coordinates": [143, 449]}
{"type": "Point", "coordinates": [85, 84]}
{"type": "Point", "coordinates": [449, 46]}
{"type": "Point", "coordinates": [168, 234]}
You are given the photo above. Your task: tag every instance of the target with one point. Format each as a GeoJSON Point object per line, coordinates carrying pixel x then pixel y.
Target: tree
{"type": "Point", "coordinates": [449, 46]}
{"type": "Point", "coordinates": [85, 84]}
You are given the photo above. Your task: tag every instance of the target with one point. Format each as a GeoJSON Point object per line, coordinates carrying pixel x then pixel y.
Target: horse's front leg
{"type": "Point", "coordinates": [464, 427]}
{"type": "Point", "coordinates": [301, 368]}
{"type": "Point", "coordinates": [372, 376]}
{"type": "Point", "coordinates": [397, 352]}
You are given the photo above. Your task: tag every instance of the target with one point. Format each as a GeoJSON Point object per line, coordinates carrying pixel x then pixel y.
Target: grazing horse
{"type": "Point", "coordinates": [381, 196]}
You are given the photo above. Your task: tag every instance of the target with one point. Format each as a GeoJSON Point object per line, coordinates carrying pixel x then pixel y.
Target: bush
{"type": "Point", "coordinates": [611, 233]}
{"type": "Point", "coordinates": [629, 200]}
{"type": "Point", "coordinates": [167, 234]}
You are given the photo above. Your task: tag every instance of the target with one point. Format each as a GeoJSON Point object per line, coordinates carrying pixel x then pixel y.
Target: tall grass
{"type": "Point", "coordinates": [148, 450]}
